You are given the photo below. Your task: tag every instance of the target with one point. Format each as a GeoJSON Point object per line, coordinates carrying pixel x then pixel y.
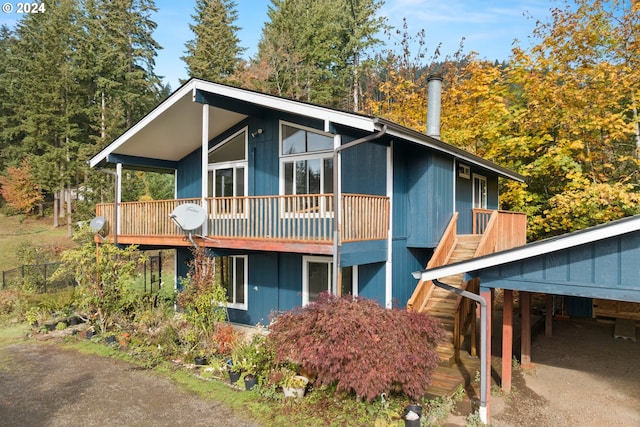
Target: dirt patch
{"type": "Point", "coordinates": [580, 376]}
{"type": "Point", "coordinates": [46, 385]}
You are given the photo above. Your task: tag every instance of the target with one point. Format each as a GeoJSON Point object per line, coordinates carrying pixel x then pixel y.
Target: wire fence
{"type": "Point", "coordinates": [39, 277]}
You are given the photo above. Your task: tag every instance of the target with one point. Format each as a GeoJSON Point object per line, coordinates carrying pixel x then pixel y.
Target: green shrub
{"type": "Point", "coordinates": [359, 346]}
{"type": "Point", "coordinates": [104, 276]}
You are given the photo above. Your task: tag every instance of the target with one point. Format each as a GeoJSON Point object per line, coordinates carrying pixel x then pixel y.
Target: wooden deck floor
{"type": "Point", "coordinates": [447, 379]}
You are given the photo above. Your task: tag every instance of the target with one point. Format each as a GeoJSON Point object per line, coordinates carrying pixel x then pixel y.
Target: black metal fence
{"type": "Point", "coordinates": [36, 276]}
{"type": "Point", "coordinates": [39, 277]}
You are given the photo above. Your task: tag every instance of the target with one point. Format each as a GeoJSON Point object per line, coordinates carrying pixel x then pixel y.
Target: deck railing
{"type": "Point", "coordinates": [424, 289]}
{"type": "Point", "coordinates": [501, 230]}
{"type": "Point", "coordinates": [299, 218]}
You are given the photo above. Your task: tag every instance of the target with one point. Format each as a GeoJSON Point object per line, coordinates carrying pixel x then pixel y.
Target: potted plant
{"type": "Point", "coordinates": [293, 385]}
{"type": "Point", "coordinates": [249, 358]}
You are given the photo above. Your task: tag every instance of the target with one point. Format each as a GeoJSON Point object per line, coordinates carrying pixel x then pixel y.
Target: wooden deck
{"type": "Point", "coordinates": [272, 223]}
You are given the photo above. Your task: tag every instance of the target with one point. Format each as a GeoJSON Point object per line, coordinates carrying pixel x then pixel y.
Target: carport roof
{"type": "Point", "coordinates": [601, 261]}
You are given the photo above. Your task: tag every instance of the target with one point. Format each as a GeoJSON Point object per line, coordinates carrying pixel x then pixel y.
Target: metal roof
{"type": "Point", "coordinates": [173, 129]}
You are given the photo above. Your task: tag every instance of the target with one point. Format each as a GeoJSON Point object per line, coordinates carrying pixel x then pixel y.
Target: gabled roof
{"type": "Point", "coordinates": [174, 128]}
{"type": "Point", "coordinates": [542, 247]}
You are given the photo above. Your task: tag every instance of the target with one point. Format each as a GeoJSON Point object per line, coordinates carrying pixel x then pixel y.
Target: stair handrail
{"type": "Point", "coordinates": [464, 315]}
{"type": "Point", "coordinates": [440, 257]}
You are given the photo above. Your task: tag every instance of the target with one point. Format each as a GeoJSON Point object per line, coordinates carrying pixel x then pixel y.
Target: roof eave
{"type": "Point", "coordinates": [541, 247]}
{"type": "Point", "coordinates": [426, 140]}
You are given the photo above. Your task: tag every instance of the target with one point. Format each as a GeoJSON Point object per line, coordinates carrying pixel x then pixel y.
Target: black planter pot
{"type": "Point", "coordinates": [409, 416]}
{"type": "Point", "coordinates": [250, 381]}
{"type": "Point", "coordinates": [110, 340]}
{"type": "Point", "coordinates": [89, 334]}
{"type": "Point", "coordinates": [200, 360]}
{"type": "Point", "coordinates": [234, 376]}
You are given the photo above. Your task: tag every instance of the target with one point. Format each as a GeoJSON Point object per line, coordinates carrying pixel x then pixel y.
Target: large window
{"type": "Point", "coordinates": [227, 172]}
{"type": "Point", "coordinates": [307, 161]}
{"type": "Point", "coordinates": [232, 272]}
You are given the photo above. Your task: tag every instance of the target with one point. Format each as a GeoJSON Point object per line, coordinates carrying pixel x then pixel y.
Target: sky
{"type": "Point", "coordinates": [489, 27]}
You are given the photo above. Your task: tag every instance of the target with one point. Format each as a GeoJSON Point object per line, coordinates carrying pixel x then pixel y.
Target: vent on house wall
{"type": "Point", "coordinates": [464, 171]}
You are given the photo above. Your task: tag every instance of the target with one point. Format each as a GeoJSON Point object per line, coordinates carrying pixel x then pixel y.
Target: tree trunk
{"type": "Point", "coordinates": [69, 228]}
{"type": "Point", "coordinates": [56, 200]}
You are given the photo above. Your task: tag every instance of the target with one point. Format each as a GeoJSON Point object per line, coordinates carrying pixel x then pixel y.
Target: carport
{"type": "Point", "coordinates": [602, 262]}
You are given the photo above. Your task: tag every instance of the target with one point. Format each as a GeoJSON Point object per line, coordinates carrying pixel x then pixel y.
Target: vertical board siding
{"type": "Point", "coordinates": [371, 281]}
{"type": "Point", "coordinates": [189, 176]}
{"type": "Point", "coordinates": [364, 169]}
{"type": "Point", "coordinates": [606, 269]}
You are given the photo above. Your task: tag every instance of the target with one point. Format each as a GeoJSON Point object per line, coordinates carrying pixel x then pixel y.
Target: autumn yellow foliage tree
{"type": "Point", "coordinates": [19, 188]}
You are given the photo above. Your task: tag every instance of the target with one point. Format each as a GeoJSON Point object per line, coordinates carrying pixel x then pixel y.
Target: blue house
{"type": "Point", "coordinates": [299, 199]}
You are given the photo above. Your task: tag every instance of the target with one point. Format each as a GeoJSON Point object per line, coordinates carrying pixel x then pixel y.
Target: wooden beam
{"type": "Point", "coordinates": [525, 313]}
{"type": "Point", "coordinates": [507, 339]}
{"type": "Point", "coordinates": [305, 247]}
{"type": "Point", "coordinates": [548, 317]}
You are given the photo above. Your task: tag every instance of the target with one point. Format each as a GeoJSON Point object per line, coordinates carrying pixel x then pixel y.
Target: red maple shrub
{"type": "Point", "coordinates": [360, 346]}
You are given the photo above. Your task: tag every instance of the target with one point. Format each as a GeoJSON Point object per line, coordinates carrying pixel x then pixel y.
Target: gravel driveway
{"type": "Point", "coordinates": [45, 385]}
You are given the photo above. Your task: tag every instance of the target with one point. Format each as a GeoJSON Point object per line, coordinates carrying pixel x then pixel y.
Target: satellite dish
{"type": "Point", "coordinates": [188, 216]}
{"type": "Point", "coordinates": [97, 223]}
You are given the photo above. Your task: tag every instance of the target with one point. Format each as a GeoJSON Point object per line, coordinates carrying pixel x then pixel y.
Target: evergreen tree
{"type": "Point", "coordinates": [214, 54]}
{"type": "Point", "coordinates": [48, 106]}
{"type": "Point", "coordinates": [312, 50]}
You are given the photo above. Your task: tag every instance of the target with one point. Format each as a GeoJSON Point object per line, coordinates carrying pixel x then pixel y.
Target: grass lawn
{"type": "Point", "coordinates": [17, 231]}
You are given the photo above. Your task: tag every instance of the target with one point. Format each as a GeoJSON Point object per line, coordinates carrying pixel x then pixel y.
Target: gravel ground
{"type": "Point", "coordinates": [45, 385]}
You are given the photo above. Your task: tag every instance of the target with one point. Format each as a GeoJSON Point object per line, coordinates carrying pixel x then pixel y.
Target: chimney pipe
{"type": "Point", "coordinates": [434, 92]}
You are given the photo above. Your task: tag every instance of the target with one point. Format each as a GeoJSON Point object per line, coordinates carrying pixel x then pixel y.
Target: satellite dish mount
{"type": "Point", "coordinates": [189, 216]}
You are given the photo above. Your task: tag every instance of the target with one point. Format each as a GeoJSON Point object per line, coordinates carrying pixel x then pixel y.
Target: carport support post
{"type": "Point", "coordinates": [485, 293]}
{"type": "Point", "coordinates": [525, 313]}
{"type": "Point", "coordinates": [507, 339]}
{"type": "Point", "coordinates": [548, 317]}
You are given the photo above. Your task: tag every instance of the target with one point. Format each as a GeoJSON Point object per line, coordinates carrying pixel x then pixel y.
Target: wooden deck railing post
{"type": "Point", "coordinates": [291, 218]}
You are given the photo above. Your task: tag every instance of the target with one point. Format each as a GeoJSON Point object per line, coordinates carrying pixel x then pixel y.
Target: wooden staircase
{"type": "Point", "coordinates": [493, 231]}
{"type": "Point", "coordinates": [444, 305]}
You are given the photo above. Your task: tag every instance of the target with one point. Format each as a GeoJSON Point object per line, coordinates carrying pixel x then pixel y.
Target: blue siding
{"type": "Point", "coordinates": [364, 169]}
{"type": "Point", "coordinates": [371, 281]}
{"type": "Point", "coordinates": [188, 179]}
{"type": "Point", "coordinates": [263, 290]}
{"type": "Point", "coordinates": [367, 252]}
{"type": "Point", "coordinates": [405, 261]}
{"type": "Point", "coordinates": [464, 204]}
{"type": "Point", "coordinates": [264, 158]}
{"type": "Point", "coordinates": [439, 195]}
{"type": "Point", "coordinates": [606, 269]}
{"type": "Point", "coordinates": [289, 281]}
{"type": "Point", "coordinates": [423, 195]}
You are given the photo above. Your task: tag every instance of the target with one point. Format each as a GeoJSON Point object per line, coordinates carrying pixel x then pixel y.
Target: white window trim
{"type": "Point", "coordinates": [481, 178]}
{"type": "Point", "coordinates": [226, 140]}
{"type": "Point", "coordinates": [305, 274]}
{"type": "Point", "coordinates": [245, 285]}
{"type": "Point", "coordinates": [304, 128]}
{"type": "Point", "coordinates": [354, 280]}
{"type": "Point", "coordinates": [213, 167]}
